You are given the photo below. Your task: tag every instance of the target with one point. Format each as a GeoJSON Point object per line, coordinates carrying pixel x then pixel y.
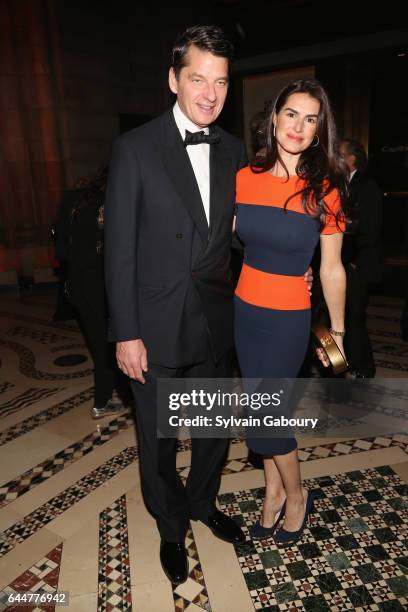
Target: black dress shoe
{"type": "Point", "coordinates": [225, 528]}
{"type": "Point", "coordinates": [173, 558]}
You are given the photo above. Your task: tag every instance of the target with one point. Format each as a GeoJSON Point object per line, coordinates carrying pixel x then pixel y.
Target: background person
{"type": "Point", "coordinates": [362, 256]}
{"type": "Point", "coordinates": [79, 244]}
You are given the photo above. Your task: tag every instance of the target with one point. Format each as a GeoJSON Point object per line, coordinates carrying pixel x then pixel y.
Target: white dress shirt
{"type": "Point", "coordinates": [199, 155]}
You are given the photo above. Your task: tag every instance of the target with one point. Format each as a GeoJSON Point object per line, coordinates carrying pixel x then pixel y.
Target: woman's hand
{"type": "Point", "coordinates": [322, 355]}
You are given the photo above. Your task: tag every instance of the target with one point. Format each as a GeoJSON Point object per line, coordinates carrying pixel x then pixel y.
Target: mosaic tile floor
{"type": "Point", "coordinates": [72, 517]}
{"type": "Point", "coordinates": [353, 552]}
{"type": "Point", "coordinates": [43, 576]}
{"type": "Point", "coordinates": [114, 564]}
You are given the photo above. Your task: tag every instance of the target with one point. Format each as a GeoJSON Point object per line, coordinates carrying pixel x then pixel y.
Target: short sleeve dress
{"type": "Point", "coordinates": [272, 302]}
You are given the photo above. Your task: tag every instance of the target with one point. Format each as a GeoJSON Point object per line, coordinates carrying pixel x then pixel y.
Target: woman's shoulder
{"type": "Point", "coordinates": [249, 177]}
{"type": "Point", "coordinates": [335, 221]}
{"type": "Point", "coordinates": [332, 198]}
{"type": "Point", "coordinates": [245, 173]}
{"type": "Point", "coordinates": [248, 185]}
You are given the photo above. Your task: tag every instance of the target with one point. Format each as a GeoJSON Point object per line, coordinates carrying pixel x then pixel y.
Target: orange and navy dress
{"type": "Point", "coordinates": [272, 302]}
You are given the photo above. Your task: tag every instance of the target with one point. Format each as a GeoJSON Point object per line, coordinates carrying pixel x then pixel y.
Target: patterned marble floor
{"type": "Point", "coordinates": [72, 517]}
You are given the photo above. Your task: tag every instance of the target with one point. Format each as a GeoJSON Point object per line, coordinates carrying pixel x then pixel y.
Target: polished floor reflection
{"type": "Point", "coordinates": [72, 517]}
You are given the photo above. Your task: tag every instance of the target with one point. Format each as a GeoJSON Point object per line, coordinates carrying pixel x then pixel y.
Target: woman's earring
{"type": "Point", "coordinates": [317, 143]}
{"type": "Point", "coordinates": [274, 131]}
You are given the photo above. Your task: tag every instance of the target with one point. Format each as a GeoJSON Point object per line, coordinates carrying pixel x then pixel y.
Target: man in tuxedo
{"type": "Point", "coordinates": [168, 220]}
{"type": "Point", "coordinates": [362, 256]}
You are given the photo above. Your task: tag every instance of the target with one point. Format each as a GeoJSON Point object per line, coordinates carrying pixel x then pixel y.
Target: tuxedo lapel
{"type": "Point", "coordinates": [178, 166]}
{"type": "Point", "coordinates": [220, 167]}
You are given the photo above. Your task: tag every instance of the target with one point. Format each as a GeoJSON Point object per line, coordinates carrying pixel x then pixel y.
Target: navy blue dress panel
{"type": "Point", "coordinates": [277, 241]}
{"type": "Point", "coordinates": [270, 344]}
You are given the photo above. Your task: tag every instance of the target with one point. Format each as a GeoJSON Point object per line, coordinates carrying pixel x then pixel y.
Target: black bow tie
{"type": "Point", "coordinates": [193, 138]}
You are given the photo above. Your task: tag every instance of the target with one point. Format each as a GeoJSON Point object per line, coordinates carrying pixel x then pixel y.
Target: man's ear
{"type": "Point", "coordinates": [173, 83]}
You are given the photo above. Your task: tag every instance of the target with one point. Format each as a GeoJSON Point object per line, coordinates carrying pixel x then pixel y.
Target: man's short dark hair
{"type": "Point", "coordinates": [354, 147]}
{"type": "Point", "coordinates": [205, 38]}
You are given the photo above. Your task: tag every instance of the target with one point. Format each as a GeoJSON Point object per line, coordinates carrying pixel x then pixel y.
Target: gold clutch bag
{"type": "Point", "coordinates": [323, 339]}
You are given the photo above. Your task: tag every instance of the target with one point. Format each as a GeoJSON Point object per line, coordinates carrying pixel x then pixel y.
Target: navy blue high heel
{"type": "Point", "coordinates": [287, 538]}
{"type": "Point", "coordinates": [257, 531]}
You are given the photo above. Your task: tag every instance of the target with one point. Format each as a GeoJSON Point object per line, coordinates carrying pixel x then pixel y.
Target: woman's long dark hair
{"type": "Point", "coordinates": [320, 166]}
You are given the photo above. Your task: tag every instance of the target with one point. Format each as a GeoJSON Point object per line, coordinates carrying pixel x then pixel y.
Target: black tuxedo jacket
{"type": "Point", "coordinates": [363, 246]}
{"type": "Point", "coordinates": [167, 273]}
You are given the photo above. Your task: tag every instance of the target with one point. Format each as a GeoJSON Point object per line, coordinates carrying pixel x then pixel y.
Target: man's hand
{"type": "Point", "coordinates": [309, 279]}
{"type": "Point", "coordinates": [132, 358]}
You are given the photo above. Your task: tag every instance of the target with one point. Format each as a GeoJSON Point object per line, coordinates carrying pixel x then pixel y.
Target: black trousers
{"type": "Point", "coordinates": [357, 342]}
{"type": "Point", "coordinates": [88, 296]}
{"type": "Point", "coordinates": [170, 502]}
{"type": "Point", "coordinates": [404, 318]}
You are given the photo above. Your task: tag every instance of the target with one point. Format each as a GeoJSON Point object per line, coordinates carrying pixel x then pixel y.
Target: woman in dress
{"type": "Point", "coordinates": [286, 201]}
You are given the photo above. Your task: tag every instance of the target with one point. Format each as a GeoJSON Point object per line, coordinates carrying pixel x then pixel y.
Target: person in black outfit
{"type": "Point", "coordinates": [362, 256]}
{"type": "Point", "coordinates": [79, 244]}
{"type": "Point", "coordinates": [404, 316]}
{"type": "Point", "coordinates": [64, 309]}
{"type": "Point", "coordinates": [168, 226]}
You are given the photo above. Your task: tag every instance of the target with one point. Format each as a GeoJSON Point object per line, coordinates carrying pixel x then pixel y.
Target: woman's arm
{"type": "Point", "coordinates": [333, 279]}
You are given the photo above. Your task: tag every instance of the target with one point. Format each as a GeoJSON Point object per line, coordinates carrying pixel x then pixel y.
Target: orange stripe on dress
{"type": "Point", "coordinates": [274, 291]}
{"type": "Point", "coordinates": [267, 190]}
